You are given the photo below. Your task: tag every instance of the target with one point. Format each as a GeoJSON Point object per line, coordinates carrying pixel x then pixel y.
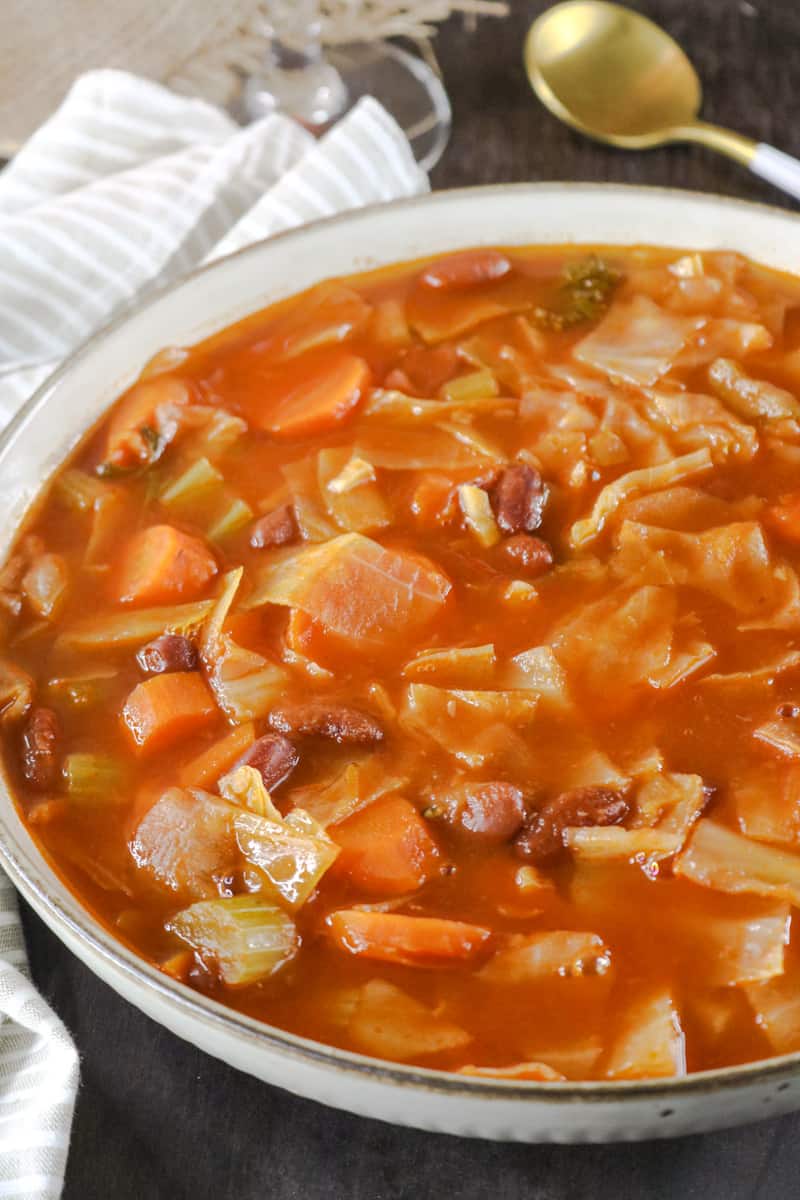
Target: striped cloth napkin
{"type": "Point", "coordinates": [128, 185]}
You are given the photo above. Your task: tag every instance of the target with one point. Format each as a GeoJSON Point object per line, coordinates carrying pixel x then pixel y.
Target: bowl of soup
{"type": "Point", "coordinates": [400, 661]}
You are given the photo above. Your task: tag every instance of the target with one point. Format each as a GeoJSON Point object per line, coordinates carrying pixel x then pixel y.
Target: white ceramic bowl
{"type": "Point", "coordinates": [75, 397]}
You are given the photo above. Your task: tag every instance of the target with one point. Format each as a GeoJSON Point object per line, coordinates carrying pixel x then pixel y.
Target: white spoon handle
{"type": "Point", "coordinates": [779, 168]}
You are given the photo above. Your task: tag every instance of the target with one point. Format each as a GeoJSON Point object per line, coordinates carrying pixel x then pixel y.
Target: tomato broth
{"type": "Point", "coordinates": [415, 666]}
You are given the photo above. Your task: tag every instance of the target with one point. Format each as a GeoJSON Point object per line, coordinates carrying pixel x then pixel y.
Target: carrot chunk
{"type": "Point", "coordinates": [162, 564]}
{"type": "Point", "coordinates": [319, 401]}
{"type": "Point", "coordinates": [413, 941]}
{"type": "Point", "coordinates": [166, 708]}
{"type": "Point", "coordinates": [206, 768]}
{"type": "Point", "coordinates": [135, 419]}
{"type": "Point", "coordinates": [386, 848]}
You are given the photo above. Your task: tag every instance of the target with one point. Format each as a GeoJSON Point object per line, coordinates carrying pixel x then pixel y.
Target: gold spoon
{"type": "Point", "coordinates": [617, 77]}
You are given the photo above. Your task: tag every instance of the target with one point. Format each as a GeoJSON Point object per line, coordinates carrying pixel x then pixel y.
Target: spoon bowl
{"type": "Point", "coordinates": [612, 74]}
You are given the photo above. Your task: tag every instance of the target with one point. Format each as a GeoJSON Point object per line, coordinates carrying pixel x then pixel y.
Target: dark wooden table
{"type": "Point", "coordinates": [158, 1119]}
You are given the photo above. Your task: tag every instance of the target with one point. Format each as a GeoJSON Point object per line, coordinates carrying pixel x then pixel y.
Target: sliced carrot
{"type": "Point", "coordinates": [784, 518]}
{"type": "Point", "coordinates": [126, 444]}
{"type": "Point", "coordinates": [386, 848]}
{"type": "Point", "coordinates": [321, 400]}
{"type": "Point", "coordinates": [413, 941]}
{"type": "Point", "coordinates": [162, 564]}
{"type": "Point", "coordinates": [466, 269]}
{"type": "Point", "coordinates": [207, 767]}
{"type": "Point", "coordinates": [166, 708]}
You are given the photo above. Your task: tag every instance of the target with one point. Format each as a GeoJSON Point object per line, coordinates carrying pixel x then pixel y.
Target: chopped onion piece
{"type": "Point", "coordinates": [477, 510]}
{"type": "Point", "coordinates": [353, 474]}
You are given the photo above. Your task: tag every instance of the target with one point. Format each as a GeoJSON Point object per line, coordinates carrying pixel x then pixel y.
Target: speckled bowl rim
{"type": "Point", "coordinates": [30, 875]}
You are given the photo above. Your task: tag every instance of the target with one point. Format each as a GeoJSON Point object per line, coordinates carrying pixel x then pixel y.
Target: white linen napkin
{"type": "Point", "coordinates": [125, 186]}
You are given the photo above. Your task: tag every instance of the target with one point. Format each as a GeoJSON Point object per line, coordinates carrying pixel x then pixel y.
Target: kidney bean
{"type": "Point", "coordinates": [40, 748]}
{"type": "Point", "coordinates": [273, 756]}
{"type": "Point", "coordinates": [542, 836]}
{"type": "Point", "coordinates": [466, 269]}
{"type": "Point", "coordinates": [277, 528]}
{"type": "Point", "coordinates": [528, 554]}
{"type": "Point", "coordinates": [335, 721]}
{"type": "Point", "coordinates": [518, 498]}
{"type": "Point", "coordinates": [170, 652]}
{"type": "Point", "coordinates": [490, 812]}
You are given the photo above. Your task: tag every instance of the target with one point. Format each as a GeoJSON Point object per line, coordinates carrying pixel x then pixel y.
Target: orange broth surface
{"type": "Point", "coordinates": [618, 903]}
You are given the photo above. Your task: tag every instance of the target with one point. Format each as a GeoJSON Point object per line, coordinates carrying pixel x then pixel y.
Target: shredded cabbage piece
{"type": "Point", "coordinates": [391, 405]}
{"type": "Point", "coordinates": [699, 420]}
{"type": "Point", "coordinates": [722, 859]}
{"type": "Point", "coordinates": [637, 483]}
{"type": "Point", "coordinates": [776, 1006]}
{"type": "Point", "coordinates": [753, 399]}
{"type": "Point", "coordinates": [354, 788]}
{"type": "Point", "coordinates": [350, 491]}
{"type": "Point", "coordinates": [354, 473]}
{"type": "Point", "coordinates": [310, 512]}
{"type": "Point", "coordinates": [739, 948]}
{"type": "Point", "coordinates": [16, 692]}
{"type": "Point", "coordinates": [540, 671]}
{"type": "Point", "coordinates": [466, 665]}
{"type": "Point", "coordinates": [690, 654]}
{"type": "Point", "coordinates": [292, 853]}
{"type": "Point", "coordinates": [689, 509]}
{"type": "Point", "coordinates": [610, 843]}
{"type": "Point", "coordinates": [133, 628]}
{"type": "Point", "coordinates": [185, 840]}
{"type": "Point", "coordinates": [468, 724]}
{"type": "Point", "coordinates": [434, 449]}
{"type": "Point", "coordinates": [617, 644]}
{"type": "Point", "coordinates": [244, 683]}
{"type": "Point", "coordinates": [637, 341]}
{"type": "Point", "coordinates": [326, 315]}
{"type": "Point", "coordinates": [731, 562]}
{"type": "Point", "coordinates": [356, 588]}
{"type": "Point", "coordinates": [766, 802]}
{"type": "Point", "coordinates": [560, 952]}
{"type": "Point", "coordinates": [388, 1023]}
{"type": "Point", "coordinates": [781, 735]}
{"type": "Point", "coordinates": [670, 803]}
{"type": "Point", "coordinates": [652, 1044]}
{"type": "Point", "coordinates": [245, 938]}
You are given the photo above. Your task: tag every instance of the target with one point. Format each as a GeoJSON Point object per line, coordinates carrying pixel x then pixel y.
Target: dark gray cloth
{"type": "Point", "coordinates": [155, 1117]}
